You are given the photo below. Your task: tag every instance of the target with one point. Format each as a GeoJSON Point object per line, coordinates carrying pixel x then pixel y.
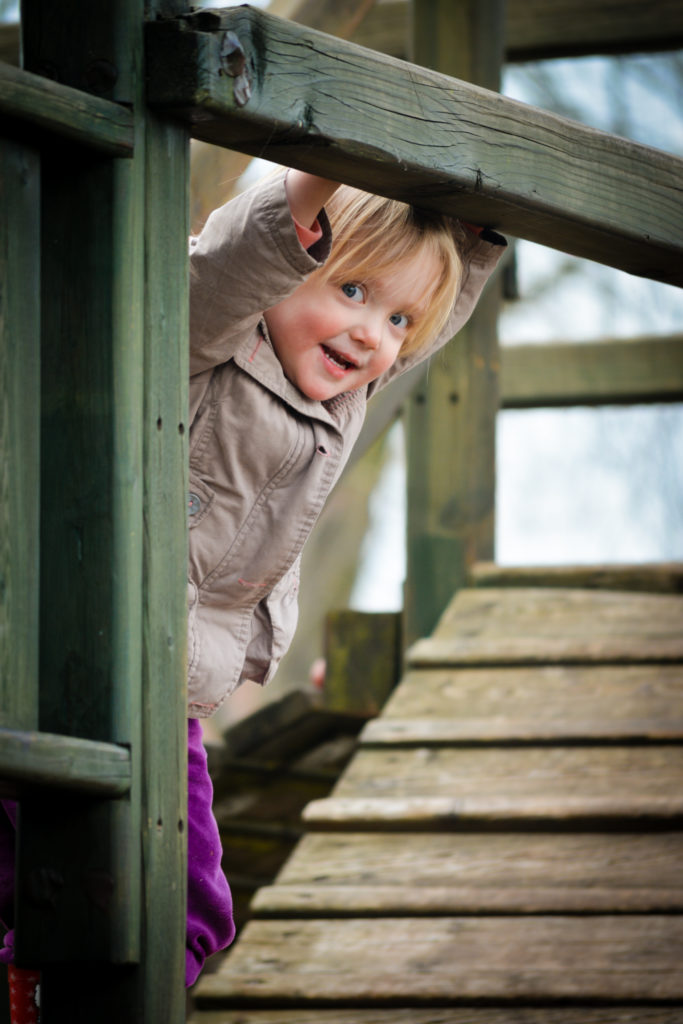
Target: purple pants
{"type": "Point", "coordinates": [210, 925]}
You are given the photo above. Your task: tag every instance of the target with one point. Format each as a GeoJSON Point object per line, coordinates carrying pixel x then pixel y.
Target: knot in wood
{"type": "Point", "coordinates": [234, 63]}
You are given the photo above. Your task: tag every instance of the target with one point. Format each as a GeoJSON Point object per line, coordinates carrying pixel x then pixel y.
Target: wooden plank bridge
{"type": "Point", "coordinates": [506, 844]}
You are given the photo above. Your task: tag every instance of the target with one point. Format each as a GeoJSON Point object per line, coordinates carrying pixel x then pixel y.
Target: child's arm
{"type": "Point", "coordinates": [307, 194]}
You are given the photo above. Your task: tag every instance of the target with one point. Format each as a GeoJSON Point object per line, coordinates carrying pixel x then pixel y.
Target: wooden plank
{"type": "Point", "coordinates": [550, 625]}
{"type": "Point", "coordinates": [440, 813]}
{"type": "Point", "coordinates": [610, 372]}
{"type": "Point", "coordinates": [444, 142]}
{"type": "Point", "coordinates": [527, 704]}
{"type": "Point", "coordinates": [533, 31]}
{"type": "Point", "coordinates": [307, 901]}
{"type": "Point", "coordinates": [65, 763]}
{"type": "Point", "coordinates": [576, 772]}
{"type": "Point", "coordinates": [502, 865]}
{"type": "Point", "coordinates": [424, 786]}
{"type": "Point", "coordinates": [478, 1015]}
{"type": "Point", "coordinates": [66, 112]}
{"type": "Point", "coordinates": [19, 434]}
{"type": "Point", "coordinates": [452, 960]}
{"type": "Point", "coordinates": [655, 577]}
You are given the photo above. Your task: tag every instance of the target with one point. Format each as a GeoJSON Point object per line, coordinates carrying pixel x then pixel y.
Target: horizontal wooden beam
{"type": "Point", "coordinates": [644, 577]}
{"type": "Point", "coordinates": [63, 762]}
{"type": "Point", "coordinates": [537, 29]}
{"type": "Point", "coordinates": [68, 113]}
{"type": "Point", "coordinates": [266, 87]}
{"type": "Point", "coordinates": [616, 372]}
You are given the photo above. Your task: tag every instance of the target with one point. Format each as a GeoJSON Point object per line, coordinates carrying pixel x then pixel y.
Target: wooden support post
{"type": "Point", "coordinates": [451, 416]}
{"type": "Point", "coordinates": [164, 693]}
{"type": "Point", "coordinates": [19, 433]}
{"type": "Point", "coordinates": [103, 881]}
{"type": "Point", "coordinates": [362, 651]}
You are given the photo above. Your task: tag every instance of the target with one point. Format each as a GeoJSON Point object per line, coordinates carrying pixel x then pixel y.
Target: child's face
{"type": "Point", "coordinates": [332, 338]}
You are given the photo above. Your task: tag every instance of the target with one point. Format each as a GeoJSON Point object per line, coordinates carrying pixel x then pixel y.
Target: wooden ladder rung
{"type": "Point", "coordinates": [63, 762]}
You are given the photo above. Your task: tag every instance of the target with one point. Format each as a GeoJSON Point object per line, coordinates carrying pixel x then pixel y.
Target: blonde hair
{"type": "Point", "coordinates": [371, 235]}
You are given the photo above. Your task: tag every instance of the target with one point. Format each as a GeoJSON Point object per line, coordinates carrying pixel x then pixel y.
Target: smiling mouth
{"type": "Point", "coordinates": [338, 360]}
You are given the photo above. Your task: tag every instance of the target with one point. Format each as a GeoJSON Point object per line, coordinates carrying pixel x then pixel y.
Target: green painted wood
{"type": "Point", "coordinates": [450, 421]}
{"type": "Point", "coordinates": [363, 653]}
{"type": "Point", "coordinates": [562, 184]}
{"type": "Point", "coordinates": [164, 611]}
{"type": "Point", "coordinates": [69, 113]}
{"type": "Point", "coordinates": [610, 372]}
{"type": "Point", "coordinates": [19, 433]}
{"type": "Point", "coordinates": [90, 539]}
{"type": "Point", "coordinates": [64, 763]}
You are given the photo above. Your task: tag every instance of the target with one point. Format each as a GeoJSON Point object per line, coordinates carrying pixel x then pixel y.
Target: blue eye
{"type": "Point", "coordinates": [399, 320]}
{"type": "Point", "coordinates": [353, 291]}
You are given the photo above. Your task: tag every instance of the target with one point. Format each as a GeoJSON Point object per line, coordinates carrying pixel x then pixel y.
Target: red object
{"type": "Point", "coordinates": [24, 995]}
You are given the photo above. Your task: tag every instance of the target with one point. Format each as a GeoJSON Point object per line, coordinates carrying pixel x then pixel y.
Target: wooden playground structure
{"type": "Point", "coordinates": [505, 845]}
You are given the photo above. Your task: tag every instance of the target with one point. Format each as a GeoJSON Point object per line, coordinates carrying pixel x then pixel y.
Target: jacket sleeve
{"type": "Point", "coordinates": [247, 258]}
{"type": "Point", "coordinates": [480, 255]}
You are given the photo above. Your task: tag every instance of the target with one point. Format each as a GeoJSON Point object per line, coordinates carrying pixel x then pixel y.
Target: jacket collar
{"type": "Point", "coordinates": [256, 357]}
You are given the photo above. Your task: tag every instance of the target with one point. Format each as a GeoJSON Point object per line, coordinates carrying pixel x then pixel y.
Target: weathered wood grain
{"type": "Point", "coordinates": [367, 874]}
{"type": "Point", "coordinates": [543, 772]}
{"type": "Point", "coordinates": [303, 901]}
{"type": "Point", "coordinates": [550, 625]}
{"type": "Point", "coordinates": [440, 813]}
{"type": "Point", "coordinates": [541, 703]}
{"type": "Point", "coordinates": [508, 862]}
{"type": "Point", "coordinates": [69, 113]}
{"type": "Point", "coordinates": [452, 960]}
{"type": "Point", "coordinates": [651, 577]}
{"type": "Point", "coordinates": [610, 372]}
{"type": "Point", "coordinates": [480, 1015]}
{"type": "Point", "coordinates": [403, 131]}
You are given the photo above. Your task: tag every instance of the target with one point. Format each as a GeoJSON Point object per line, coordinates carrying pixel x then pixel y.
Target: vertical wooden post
{"type": "Point", "coordinates": [104, 882]}
{"type": "Point", "coordinates": [19, 433]}
{"type": "Point", "coordinates": [451, 416]}
{"type": "Point", "coordinates": [164, 705]}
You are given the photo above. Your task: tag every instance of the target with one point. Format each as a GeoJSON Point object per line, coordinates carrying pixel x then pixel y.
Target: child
{"type": "Point", "coordinates": [306, 297]}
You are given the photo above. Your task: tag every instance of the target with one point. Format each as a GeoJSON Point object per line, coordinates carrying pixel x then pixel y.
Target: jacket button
{"type": "Point", "coordinates": [193, 504]}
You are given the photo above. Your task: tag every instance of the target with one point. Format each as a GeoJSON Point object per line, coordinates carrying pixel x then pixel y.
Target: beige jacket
{"type": "Point", "coordinates": [263, 456]}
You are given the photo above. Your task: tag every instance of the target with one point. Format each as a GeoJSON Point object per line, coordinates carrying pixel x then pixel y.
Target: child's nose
{"type": "Point", "coordinates": [367, 330]}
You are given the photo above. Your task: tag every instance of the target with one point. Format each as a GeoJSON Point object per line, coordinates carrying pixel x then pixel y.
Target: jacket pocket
{"type": "Point", "coordinates": [272, 628]}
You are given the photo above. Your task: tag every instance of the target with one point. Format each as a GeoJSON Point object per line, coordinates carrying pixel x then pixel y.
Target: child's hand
{"type": "Point", "coordinates": [307, 194]}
